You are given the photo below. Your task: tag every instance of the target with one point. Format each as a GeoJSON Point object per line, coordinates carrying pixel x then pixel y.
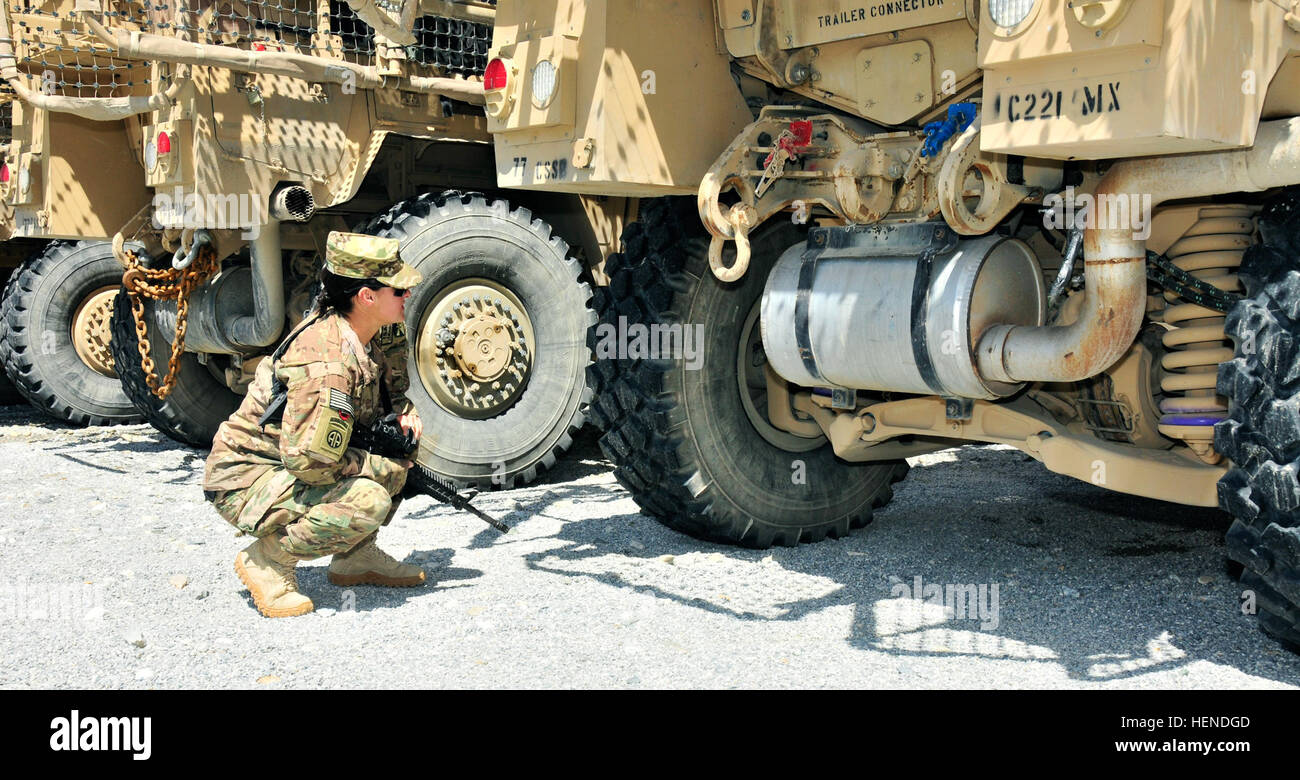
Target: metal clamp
{"type": "Point", "coordinates": [201, 238]}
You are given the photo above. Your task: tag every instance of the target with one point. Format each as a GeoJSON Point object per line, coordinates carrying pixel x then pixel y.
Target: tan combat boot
{"type": "Point", "coordinates": [267, 570]}
{"type": "Point", "coordinates": [366, 564]}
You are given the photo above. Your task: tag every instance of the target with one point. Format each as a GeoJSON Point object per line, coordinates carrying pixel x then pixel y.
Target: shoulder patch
{"type": "Point", "coordinates": [332, 434]}
{"type": "Point", "coordinates": [340, 401]}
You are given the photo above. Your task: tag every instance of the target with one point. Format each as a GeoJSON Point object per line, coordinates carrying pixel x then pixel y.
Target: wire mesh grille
{"type": "Point", "coordinates": [455, 46]}
{"type": "Point", "coordinates": [356, 39]}
{"type": "Point", "coordinates": [61, 58]}
{"type": "Point", "coordinates": [6, 118]}
{"type": "Point", "coordinates": [60, 55]}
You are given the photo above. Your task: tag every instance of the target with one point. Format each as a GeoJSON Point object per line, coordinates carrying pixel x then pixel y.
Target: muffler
{"type": "Point", "coordinates": [292, 203]}
{"type": "Point", "coordinates": [897, 308]}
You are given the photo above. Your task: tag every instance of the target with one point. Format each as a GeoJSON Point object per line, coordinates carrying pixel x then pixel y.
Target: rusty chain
{"type": "Point", "coordinates": [165, 284]}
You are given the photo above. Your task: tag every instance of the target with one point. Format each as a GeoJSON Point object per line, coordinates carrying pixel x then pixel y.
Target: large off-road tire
{"type": "Point", "coordinates": [454, 238]}
{"type": "Point", "coordinates": [9, 394]}
{"type": "Point", "coordinates": [54, 345]}
{"type": "Point", "coordinates": [1262, 433]}
{"type": "Point", "coordinates": [198, 403]}
{"type": "Point", "coordinates": [691, 442]}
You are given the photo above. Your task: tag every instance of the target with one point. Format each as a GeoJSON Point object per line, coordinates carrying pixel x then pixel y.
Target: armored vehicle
{"type": "Point", "coordinates": [1067, 227]}
{"type": "Point", "coordinates": [258, 127]}
{"type": "Point", "coordinates": [58, 276]}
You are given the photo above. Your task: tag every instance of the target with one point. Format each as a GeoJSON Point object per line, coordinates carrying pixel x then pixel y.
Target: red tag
{"type": "Point", "coordinates": [802, 131]}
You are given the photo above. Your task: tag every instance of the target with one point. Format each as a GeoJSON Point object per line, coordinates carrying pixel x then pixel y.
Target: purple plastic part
{"type": "Point", "coordinates": [1169, 407]}
{"type": "Point", "coordinates": [1192, 419]}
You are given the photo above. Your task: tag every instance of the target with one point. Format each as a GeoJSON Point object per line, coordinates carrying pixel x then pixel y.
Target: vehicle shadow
{"type": "Point", "coordinates": [1107, 587]}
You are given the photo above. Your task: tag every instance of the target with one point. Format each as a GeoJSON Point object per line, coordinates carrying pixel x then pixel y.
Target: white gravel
{"type": "Point", "coordinates": [114, 573]}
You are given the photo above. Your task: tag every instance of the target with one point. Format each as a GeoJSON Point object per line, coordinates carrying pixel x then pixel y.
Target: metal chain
{"type": "Point", "coordinates": [1186, 286]}
{"type": "Point", "coordinates": [165, 284]}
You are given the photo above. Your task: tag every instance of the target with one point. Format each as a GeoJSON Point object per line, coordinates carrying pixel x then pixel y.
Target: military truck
{"type": "Point", "coordinates": [258, 127]}
{"type": "Point", "coordinates": [58, 276]}
{"type": "Point", "coordinates": [1067, 227]}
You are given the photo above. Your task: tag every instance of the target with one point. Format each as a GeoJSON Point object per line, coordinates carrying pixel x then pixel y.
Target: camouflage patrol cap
{"type": "Point", "coordinates": [358, 256]}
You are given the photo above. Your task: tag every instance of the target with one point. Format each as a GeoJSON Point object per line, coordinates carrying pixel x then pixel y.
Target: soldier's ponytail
{"type": "Point", "coordinates": [336, 292]}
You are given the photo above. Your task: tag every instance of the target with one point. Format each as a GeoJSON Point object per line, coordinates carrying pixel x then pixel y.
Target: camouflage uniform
{"type": "Point", "coordinates": [300, 476]}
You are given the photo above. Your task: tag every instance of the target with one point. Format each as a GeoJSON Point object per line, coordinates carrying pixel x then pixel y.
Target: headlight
{"type": "Point", "coordinates": [543, 83]}
{"type": "Point", "coordinates": [1009, 13]}
{"type": "Point", "coordinates": [150, 155]}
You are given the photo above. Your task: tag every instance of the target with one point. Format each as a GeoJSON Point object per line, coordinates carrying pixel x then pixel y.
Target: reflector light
{"type": "Point", "coordinates": [543, 83]}
{"type": "Point", "coordinates": [4, 173]}
{"type": "Point", "coordinates": [494, 77]}
{"type": "Point", "coordinates": [1009, 13]}
{"type": "Point", "coordinates": [164, 143]}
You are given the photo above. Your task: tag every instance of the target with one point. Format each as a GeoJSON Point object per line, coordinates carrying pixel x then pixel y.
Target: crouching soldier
{"type": "Point", "coordinates": [281, 468]}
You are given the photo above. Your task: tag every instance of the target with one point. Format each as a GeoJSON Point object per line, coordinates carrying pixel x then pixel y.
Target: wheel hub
{"type": "Point", "coordinates": [751, 363]}
{"type": "Point", "coordinates": [90, 331]}
{"type": "Point", "coordinates": [475, 348]}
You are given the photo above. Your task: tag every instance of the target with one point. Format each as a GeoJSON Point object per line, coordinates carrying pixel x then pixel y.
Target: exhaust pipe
{"type": "Point", "coordinates": [292, 203]}
{"type": "Point", "coordinates": [263, 326]}
{"type": "Point", "coordinates": [1115, 261]}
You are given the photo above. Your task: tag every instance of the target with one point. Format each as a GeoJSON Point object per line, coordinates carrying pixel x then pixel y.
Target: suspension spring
{"type": "Point", "coordinates": [1210, 250]}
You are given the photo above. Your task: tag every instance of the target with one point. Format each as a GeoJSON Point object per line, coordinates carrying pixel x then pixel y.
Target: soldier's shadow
{"type": "Point", "coordinates": [313, 582]}
{"type": "Point", "coordinates": [1133, 564]}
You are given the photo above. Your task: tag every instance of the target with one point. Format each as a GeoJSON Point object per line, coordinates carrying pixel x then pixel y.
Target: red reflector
{"type": "Point", "coordinates": [494, 77]}
{"type": "Point", "coordinates": [259, 47]}
{"type": "Point", "coordinates": [801, 129]}
{"type": "Point", "coordinates": [164, 143]}
{"type": "Point", "coordinates": [4, 173]}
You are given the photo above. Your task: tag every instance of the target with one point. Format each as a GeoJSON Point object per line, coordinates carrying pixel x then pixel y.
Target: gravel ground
{"type": "Point", "coordinates": [114, 573]}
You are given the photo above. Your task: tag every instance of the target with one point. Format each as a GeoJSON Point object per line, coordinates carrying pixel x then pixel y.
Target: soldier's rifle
{"type": "Point", "coordinates": [386, 438]}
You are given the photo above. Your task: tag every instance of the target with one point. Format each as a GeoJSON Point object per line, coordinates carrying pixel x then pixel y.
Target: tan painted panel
{"type": "Point", "coordinates": [840, 76]}
{"type": "Point", "coordinates": [1169, 76]}
{"type": "Point", "coordinates": [812, 22]}
{"type": "Point", "coordinates": [902, 72]}
{"type": "Point", "coordinates": [1283, 97]}
{"type": "Point", "coordinates": [735, 13]}
{"type": "Point", "coordinates": [655, 100]}
{"type": "Point", "coordinates": [527, 110]}
{"type": "Point", "coordinates": [93, 182]}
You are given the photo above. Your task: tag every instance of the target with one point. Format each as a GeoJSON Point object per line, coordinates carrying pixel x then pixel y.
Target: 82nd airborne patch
{"type": "Point", "coordinates": [335, 427]}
